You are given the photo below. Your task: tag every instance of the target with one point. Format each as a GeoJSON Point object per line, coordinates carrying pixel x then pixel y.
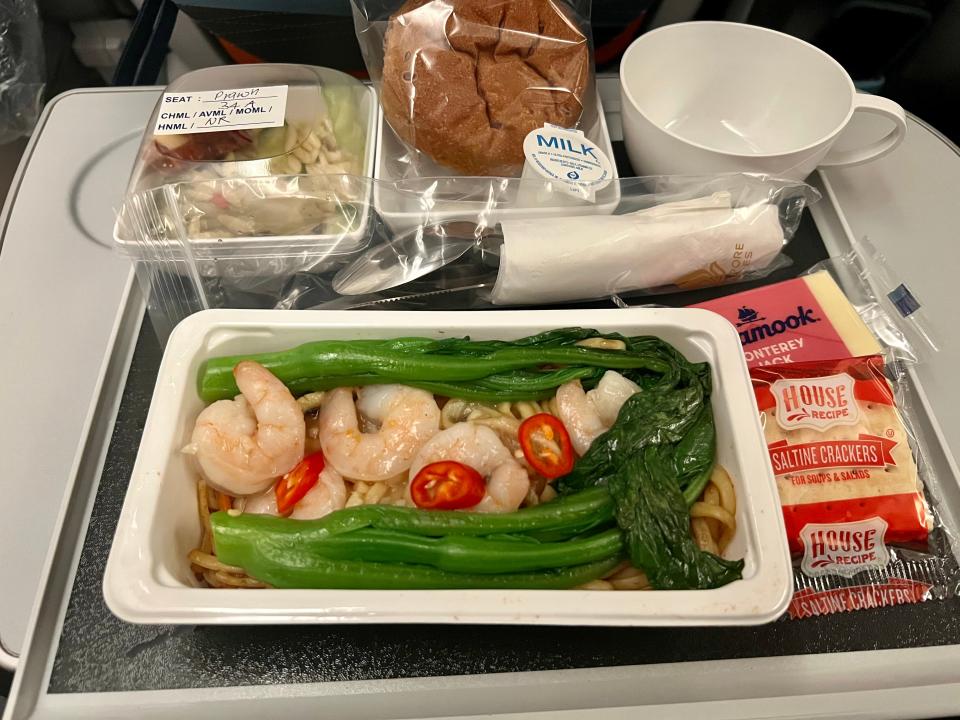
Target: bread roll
{"type": "Point", "coordinates": [464, 81]}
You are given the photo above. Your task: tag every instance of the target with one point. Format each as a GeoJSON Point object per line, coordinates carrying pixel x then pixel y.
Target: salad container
{"type": "Point", "coordinates": [148, 577]}
{"type": "Point", "coordinates": [319, 122]}
{"type": "Point", "coordinates": [246, 176]}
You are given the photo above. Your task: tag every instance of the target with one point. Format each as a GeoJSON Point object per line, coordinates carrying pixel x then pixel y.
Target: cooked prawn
{"type": "Point", "coordinates": [329, 494]}
{"type": "Point", "coordinates": [579, 416]}
{"type": "Point", "coordinates": [243, 445]}
{"type": "Point", "coordinates": [481, 448]}
{"type": "Point", "coordinates": [405, 419]}
{"type": "Point", "coordinates": [610, 394]}
{"type": "Point", "coordinates": [587, 415]}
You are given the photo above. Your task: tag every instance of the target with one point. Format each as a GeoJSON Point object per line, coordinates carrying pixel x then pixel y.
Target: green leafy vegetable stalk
{"type": "Point", "coordinates": [496, 371]}
{"type": "Point", "coordinates": [655, 461]}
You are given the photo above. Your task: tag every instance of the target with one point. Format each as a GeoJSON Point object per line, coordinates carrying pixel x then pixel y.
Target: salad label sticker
{"type": "Point", "coordinates": [219, 110]}
{"type": "Point", "coordinates": [568, 157]}
{"type": "Point", "coordinates": [844, 548]}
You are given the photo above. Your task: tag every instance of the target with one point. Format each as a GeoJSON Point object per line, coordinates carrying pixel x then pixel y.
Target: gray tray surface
{"type": "Point", "coordinates": [99, 653]}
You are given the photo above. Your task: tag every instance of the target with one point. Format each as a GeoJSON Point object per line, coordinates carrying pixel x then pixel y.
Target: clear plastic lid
{"type": "Point", "coordinates": [223, 125]}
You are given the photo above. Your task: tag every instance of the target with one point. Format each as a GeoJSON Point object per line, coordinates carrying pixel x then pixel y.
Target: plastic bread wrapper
{"type": "Point", "coordinates": [461, 82]}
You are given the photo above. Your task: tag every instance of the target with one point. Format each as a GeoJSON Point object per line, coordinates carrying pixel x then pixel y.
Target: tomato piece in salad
{"type": "Point", "coordinates": [170, 152]}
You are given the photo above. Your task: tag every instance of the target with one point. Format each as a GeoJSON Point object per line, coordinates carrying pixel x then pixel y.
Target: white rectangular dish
{"type": "Point", "coordinates": [148, 578]}
{"type": "Point", "coordinates": [402, 212]}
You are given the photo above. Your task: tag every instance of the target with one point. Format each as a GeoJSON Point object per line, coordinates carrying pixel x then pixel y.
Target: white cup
{"type": "Point", "coordinates": [715, 97]}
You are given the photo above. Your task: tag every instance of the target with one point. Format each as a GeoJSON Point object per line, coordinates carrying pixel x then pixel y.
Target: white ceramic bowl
{"type": "Point", "coordinates": [720, 97]}
{"type": "Point", "coordinates": [148, 577]}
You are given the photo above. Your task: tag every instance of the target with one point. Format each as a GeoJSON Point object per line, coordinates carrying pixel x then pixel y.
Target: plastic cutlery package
{"type": "Point", "coordinates": [318, 241]}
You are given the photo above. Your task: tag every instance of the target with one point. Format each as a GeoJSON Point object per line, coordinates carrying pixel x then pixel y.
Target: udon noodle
{"type": "Point", "coordinates": [203, 560]}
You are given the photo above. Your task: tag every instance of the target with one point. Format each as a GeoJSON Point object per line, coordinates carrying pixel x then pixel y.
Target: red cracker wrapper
{"type": "Point", "coordinates": [856, 516]}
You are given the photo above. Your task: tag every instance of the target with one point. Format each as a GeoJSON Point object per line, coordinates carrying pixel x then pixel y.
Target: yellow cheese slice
{"type": "Point", "coordinates": [842, 315]}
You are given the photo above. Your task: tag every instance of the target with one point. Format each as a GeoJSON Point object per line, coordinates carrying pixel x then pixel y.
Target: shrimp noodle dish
{"type": "Point", "coordinates": [567, 459]}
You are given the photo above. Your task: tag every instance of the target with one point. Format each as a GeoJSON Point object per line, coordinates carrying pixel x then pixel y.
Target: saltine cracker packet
{"type": "Point", "coordinates": [854, 505]}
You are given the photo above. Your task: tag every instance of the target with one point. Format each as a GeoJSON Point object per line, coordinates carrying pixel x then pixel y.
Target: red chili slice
{"type": "Point", "coordinates": [447, 485]}
{"type": "Point", "coordinates": [546, 445]}
{"type": "Point", "coordinates": [298, 482]}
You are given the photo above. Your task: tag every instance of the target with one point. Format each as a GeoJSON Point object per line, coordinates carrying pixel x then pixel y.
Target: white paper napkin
{"type": "Point", "coordinates": [692, 243]}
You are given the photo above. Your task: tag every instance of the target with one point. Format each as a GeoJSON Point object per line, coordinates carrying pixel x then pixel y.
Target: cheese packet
{"type": "Point", "coordinates": [806, 318]}
{"type": "Point", "coordinates": [854, 506]}
{"type": "Point", "coordinates": [811, 318]}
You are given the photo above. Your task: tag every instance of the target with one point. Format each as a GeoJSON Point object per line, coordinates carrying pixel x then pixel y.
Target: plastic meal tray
{"type": "Point", "coordinates": [82, 662]}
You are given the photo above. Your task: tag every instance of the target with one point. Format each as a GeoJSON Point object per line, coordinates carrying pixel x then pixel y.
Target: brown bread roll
{"type": "Point", "coordinates": [464, 81]}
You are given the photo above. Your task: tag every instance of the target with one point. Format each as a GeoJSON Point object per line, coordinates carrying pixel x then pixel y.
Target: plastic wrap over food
{"type": "Point", "coordinates": [301, 241]}
{"type": "Point", "coordinates": [891, 309]}
{"type": "Point", "coordinates": [255, 121]}
{"type": "Point", "coordinates": [463, 82]}
{"type": "Point", "coordinates": [830, 355]}
{"type": "Point", "coordinates": [21, 68]}
{"type": "Point", "coordinates": [191, 253]}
